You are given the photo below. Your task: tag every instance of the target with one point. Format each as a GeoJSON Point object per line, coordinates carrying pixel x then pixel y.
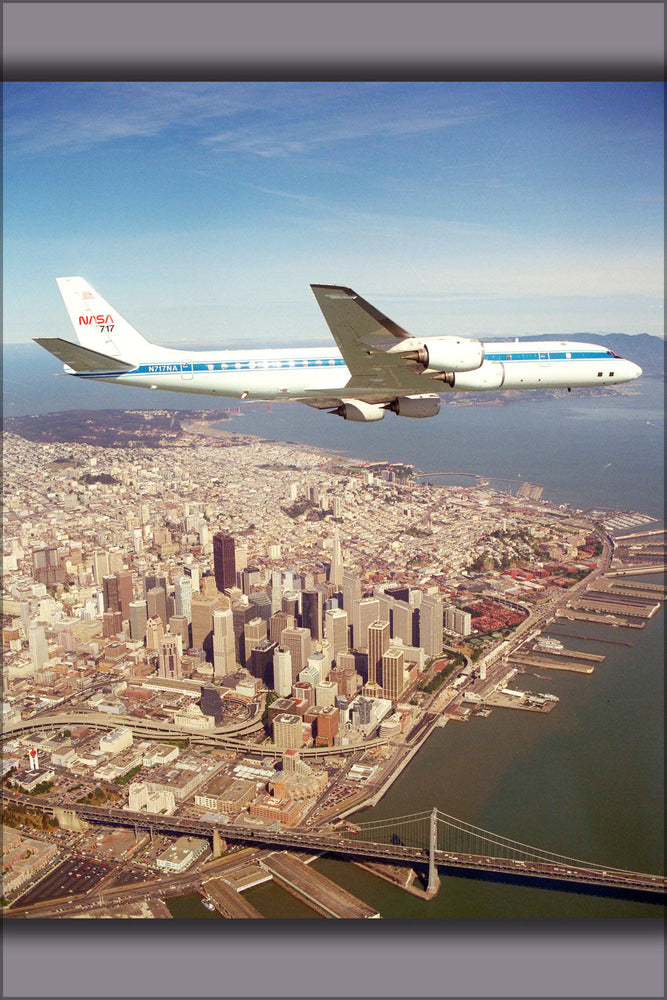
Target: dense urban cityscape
{"type": "Point", "coordinates": [236, 632]}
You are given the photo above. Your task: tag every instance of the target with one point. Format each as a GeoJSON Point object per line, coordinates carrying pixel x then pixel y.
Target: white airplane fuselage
{"type": "Point", "coordinates": [304, 373]}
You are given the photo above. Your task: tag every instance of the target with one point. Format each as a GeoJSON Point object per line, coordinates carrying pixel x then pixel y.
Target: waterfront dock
{"type": "Point", "coordinates": [314, 889]}
{"type": "Point", "coordinates": [227, 901]}
{"type": "Point", "coordinates": [527, 660]}
{"type": "Point", "coordinates": [523, 700]}
{"type": "Point", "coordinates": [599, 617]}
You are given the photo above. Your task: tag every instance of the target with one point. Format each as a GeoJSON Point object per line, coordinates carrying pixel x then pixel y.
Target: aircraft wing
{"type": "Point", "coordinates": [82, 359]}
{"type": "Point", "coordinates": [364, 335]}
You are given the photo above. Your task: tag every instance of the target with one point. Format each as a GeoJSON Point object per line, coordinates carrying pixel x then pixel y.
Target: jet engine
{"type": "Point", "coordinates": [443, 354]}
{"type": "Point", "coordinates": [356, 409]}
{"type": "Point", "coordinates": [415, 406]}
{"type": "Point", "coordinates": [490, 375]}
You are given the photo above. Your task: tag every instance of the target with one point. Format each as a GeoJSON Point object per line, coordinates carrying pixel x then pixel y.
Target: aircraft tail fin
{"type": "Point", "coordinates": [97, 324]}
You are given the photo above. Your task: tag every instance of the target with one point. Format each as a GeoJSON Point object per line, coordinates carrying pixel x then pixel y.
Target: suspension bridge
{"type": "Point", "coordinates": [431, 838]}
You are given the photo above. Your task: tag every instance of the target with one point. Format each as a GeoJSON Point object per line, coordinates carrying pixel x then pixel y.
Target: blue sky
{"type": "Point", "coordinates": [204, 210]}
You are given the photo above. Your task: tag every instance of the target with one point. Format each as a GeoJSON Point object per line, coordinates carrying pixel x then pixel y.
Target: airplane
{"type": "Point", "coordinates": [377, 366]}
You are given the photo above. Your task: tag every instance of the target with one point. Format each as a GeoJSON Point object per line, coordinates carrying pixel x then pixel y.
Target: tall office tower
{"type": "Point", "coordinates": [311, 674]}
{"type": "Point", "coordinates": [193, 572]}
{"type": "Point", "coordinates": [202, 621]}
{"type": "Point", "coordinates": [262, 603]}
{"type": "Point", "coordinates": [458, 621]}
{"type": "Point", "coordinates": [138, 619]}
{"type": "Point", "coordinates": [299, 642]}
{"type": "Point", "coordinates": [282, 672]}
{"type": "Point", "coordinates": [254, 631]}
{"type": "Point", "coordinates": [430, 624]}
{"type": "Point", "coordinates": [39, 648]}
{"type": "Point", "coordinates": [116, 562]}
{"type": "Point", "coordinates": [178, 625]}
{"type": "Point", "coordinates": [364, 611]}
{"type": "Point", "coordinates": [250, 578]}
{"type": "Point", "coordinates": [325, 693]}
{"type": "Point", "coordinates": [393, 673]}
{"type": "Point", "coordinates": [288, 731]}
{"type": "Point", "coordinates": [290, 603]}
{"type": "Point", "coordinates": [45, 566]}
{"type": "Point", "coordinates": [351, 590]}
{"type": "Point", "coordinates": [211, 702]}
{"type": "Point", "coordinates": [276, 590]}
{"type": "Point", "coordinates": [378, 644]}
{"type": "Point", "coordinates": [311, 612]}
{"type": "Point", "coordinates": [401, 622]}
{"type": "Point", "coordinates": [337, 506]}
{"type": "Point", "coordinates": [398, 592]}
{"type": "Point", "coordinates": [111, 624]}
{"type": "Point", "coordinates": [303, 691]}
{"type": "Point", "coordinates": [207, 585]}
{"type": "Point", "coordinates": [155, 581]}
{"type": "Point", "coordinates": [154, 633]}
{"type": "Point", "coordinates": [261, 662]}
{"type": "Point", "coordinates": [346, 679]}
{"type": "Point", "coordinates": [241, 556]}
{"type": "Point", "coordinates": [100, 565]}
{"type": "Point", "coordinates": [137, 540]}
{"type": "Point", "coordinates": [385, 607]}
{"type": "Point", "coordinates": [157, 603]}
{"type": "Point", "coordinates": [125, 591]}
{"type": "Point", "coordinates": [243, 612]}
{"type": "Point", "coordinates": [24, 605]}
{"type": "Point", "coordinates": [336, 568]}
{"type": "Point", "coordinates": [293, 491]}
{"type": "Point", "coordinates": [111, 593]}
{"type": "Point", "coordinates": [183, 596]}
{"type": "Point", "coordinates": [278, 622]}
{"type": "Point", "coordinates": [169, 659]}
{"type": "Point", "coordinates": [224, 652]}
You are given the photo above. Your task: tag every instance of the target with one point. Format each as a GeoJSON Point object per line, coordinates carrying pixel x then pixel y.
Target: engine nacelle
{"type": "Point", "coordinates": [356, 409]}
{"type": "Point", "coordinates": [415, 406]}
{"type": "Point", "coordinates": [443, 354]}
{"type": "Point", "coordinates": [491, 375]}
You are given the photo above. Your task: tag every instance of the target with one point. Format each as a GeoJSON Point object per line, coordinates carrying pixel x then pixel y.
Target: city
{"type": "Point", "coordinates": [217, 628]}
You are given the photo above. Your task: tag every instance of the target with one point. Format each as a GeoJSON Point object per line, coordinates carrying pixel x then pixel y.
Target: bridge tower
{"type": "Point", "coordinates": [433, 877]}
{"type": "Point", "coordinates": [219, 844]}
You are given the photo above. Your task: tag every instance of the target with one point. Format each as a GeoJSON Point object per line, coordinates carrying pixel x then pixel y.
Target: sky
{"type": "Point", "coordinates": [204, 210]}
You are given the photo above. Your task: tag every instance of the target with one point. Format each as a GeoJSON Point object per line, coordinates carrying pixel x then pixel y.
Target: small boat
{"type": "Point", "coordinates": [208, 904]}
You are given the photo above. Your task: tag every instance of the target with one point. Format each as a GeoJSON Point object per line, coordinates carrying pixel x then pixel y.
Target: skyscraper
{"type": "Point", "coordinates": [299, 642]}
{"type": "Point", "coordinates": [364, 611]}
{"type": "Point", "coordinates": [335, 630]}
{"type": "Point", "coordinates": [169, 660]}
{"type": "Point", "coordinates": [39, 649]}
{"type": "Point", "coordinates": [336, 569]}
{"type": "Point", "coordinates": [253, 632]}
{"type": "Point", "coordinates": [282, 672]}
{"type": "Point", "coordinates": [154, 633]}
{"type": "Point", "coordinates": [100, 565]}
{"type": "Point", "coordinates": [138, 617]}
{"type": "Point", "coordinates": [224, 655]}
{"type": "Point", "coordinates": [378, 643]}
{"type": "Point", "coordinates": [430, 624]}
{"type": "Point", "coordinates": [156, 598]}
{"type": "Point", "coordinates": [278, 622]}
{"type": "Point", "coordinates": [393, 673]}
{"type": "Point", "coordinates": [351, 590]}
{"type": "Point", "coordinates": [202, 621]}
{"type": "Point", "coordinates": [183, 596]}
{"type": "Point", "coordinates": [111, 593]}
{"type": "Point", "coordinates": [224, 560]}
{"type": "Point", "coordinates": [311, 612]}
{"type": "Point", "coordinates": [125, 592]}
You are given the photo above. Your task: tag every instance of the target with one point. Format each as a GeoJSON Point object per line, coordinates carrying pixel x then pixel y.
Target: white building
{"type": "Point", "coordinates": [117, 740]}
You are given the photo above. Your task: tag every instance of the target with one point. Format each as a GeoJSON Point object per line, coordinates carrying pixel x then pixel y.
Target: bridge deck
{"type": "Point", "coordinates": [315, 889]}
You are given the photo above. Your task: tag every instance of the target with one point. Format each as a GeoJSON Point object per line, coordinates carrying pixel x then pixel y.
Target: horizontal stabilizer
{"type": "Point", "coordinates": [82, 359]}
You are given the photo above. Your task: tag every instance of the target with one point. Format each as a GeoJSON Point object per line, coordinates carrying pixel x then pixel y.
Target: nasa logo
{"type": "Point", "coordinates": [101, 318]}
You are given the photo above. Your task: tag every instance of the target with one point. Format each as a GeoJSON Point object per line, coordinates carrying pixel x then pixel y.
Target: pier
{"type": "Point", "coordinates": [315, 889]}
{"type": "Point", "coordinates": [227, 901]}
{"type": "Point", "coordinates": [579, 635]}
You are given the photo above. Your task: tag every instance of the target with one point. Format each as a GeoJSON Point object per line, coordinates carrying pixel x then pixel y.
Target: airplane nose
{"type": "Point", "coordinates": [635, 370]}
